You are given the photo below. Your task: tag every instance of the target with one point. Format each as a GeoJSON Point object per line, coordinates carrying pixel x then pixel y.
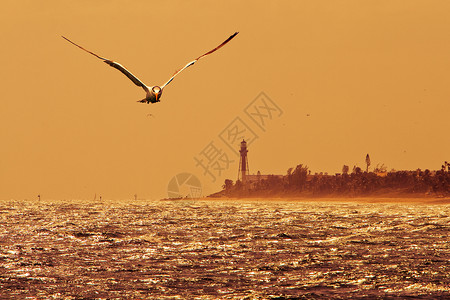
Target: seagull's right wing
{"type": "Point", "coordinates": [115, 65]}
{"type": "Point", "coordinates": [195, 60]}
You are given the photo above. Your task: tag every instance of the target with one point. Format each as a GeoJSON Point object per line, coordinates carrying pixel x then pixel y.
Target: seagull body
{"type": "Point", "coordinates": [153, 93]}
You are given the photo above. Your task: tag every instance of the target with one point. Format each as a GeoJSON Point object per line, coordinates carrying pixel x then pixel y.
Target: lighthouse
{"type": "Point", "coordinates": [243, 162]}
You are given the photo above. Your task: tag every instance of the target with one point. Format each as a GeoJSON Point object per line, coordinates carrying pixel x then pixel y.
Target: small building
{"type": "Point", "coordinates": [253, 179]}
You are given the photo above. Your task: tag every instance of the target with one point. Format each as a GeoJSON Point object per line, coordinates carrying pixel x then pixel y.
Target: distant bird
{"type": "Point", "coordinates": [153, 94]}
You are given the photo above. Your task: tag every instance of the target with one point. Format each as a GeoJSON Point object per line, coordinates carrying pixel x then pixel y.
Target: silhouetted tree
{"type": "Point", "coordinates": [380, 169]}
{"type": "Point", "coordinates": [238, 185]}
{"type": "Point", "coordinates": [228, 184]}
{"type": "Point", "coordinates": [299, 176]}
{"type": "Point", "coordinates": [345, 169]}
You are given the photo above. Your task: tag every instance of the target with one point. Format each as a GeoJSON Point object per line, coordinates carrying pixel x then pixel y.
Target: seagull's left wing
{"type": "Point", "coordinates": [195, 60]}
{"type": "Point", "coordinates": [115, 65]}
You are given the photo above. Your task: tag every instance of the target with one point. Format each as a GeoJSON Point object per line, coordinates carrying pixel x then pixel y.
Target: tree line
{"type": "Point", "coordinates": [299, 182]}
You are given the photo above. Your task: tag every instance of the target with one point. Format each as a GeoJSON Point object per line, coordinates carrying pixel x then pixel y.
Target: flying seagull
{"type": "Point", "coordinates": [153, 94]}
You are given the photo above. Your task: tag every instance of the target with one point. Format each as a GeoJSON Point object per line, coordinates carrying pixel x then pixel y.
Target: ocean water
{"type": "Point", "coordinates": [223, 249]}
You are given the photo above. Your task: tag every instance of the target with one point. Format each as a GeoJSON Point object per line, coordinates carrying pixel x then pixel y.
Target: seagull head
{"type": "Point", "coordinates": [157, 91]}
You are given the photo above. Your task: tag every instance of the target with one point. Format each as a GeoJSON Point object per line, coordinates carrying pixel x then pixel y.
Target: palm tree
{"type": "Point", "coordinates": [367, 162]}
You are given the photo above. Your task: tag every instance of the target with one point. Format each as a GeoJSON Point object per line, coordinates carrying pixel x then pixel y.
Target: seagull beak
{"type": "Point", "coordinates": [157, 97]}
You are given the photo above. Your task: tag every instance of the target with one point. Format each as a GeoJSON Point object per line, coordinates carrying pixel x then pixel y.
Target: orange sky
{"type": "Point", "coordinates": [351, 78]}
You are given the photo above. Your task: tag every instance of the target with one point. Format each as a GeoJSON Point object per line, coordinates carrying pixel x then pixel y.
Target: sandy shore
{"type": "Point", "coordinates": [399, 200]}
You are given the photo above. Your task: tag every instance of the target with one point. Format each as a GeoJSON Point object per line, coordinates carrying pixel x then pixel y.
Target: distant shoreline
{"type": "Point", "coordinates": [412, 199]}
{"type": "Point", "coordinates": [400, 199]}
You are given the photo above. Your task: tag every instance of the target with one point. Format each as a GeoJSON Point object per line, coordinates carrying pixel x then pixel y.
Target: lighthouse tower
{"type": "Point", "coordinates": [243, 162]}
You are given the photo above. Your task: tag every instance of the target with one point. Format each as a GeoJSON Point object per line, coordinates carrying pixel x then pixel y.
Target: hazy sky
{"type": "Point", "coordinates": [344, 78]}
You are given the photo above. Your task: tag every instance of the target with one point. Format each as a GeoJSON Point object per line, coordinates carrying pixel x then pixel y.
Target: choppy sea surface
{"type": "Point", "coordinates": [223, 249]}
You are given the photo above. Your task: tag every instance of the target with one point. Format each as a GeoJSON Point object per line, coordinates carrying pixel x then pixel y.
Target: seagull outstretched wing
{"type": "Point", "coordinates": [195, 60]}
{"type": "Point", "coordinates": [115, 65]}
